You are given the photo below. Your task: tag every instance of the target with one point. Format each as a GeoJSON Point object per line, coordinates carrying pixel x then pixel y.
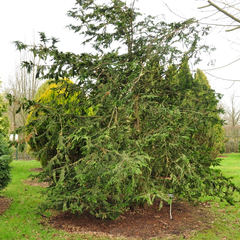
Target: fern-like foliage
{"type": "Point", "coordinates": [152, 131]}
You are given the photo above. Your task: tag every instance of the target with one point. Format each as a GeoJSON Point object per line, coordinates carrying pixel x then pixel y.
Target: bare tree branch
{"type": "Point", "coordinates": [223, 11]}
{"type": "Point", "coordinates": [226, 10]}
{"type": "Point", "coordinates": [21, 85]}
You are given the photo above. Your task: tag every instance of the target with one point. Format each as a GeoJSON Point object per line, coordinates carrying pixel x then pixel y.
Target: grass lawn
{"type": "Point", "coordinates": [231, 167]}
{"type": "Point", "coordinates": [227, 222]}
{"type": "Point", "coordinates": [22, 221]}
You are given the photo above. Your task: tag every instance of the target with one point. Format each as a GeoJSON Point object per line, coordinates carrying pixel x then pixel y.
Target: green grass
{"type": "Point", "coordinates": [227, 218]}
{"type": "Point", "coordinates": [22, 221]}
{"type": "Point", "coordinates": [230, 166]}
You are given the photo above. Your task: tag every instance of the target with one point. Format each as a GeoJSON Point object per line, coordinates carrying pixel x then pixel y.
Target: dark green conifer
{"type": "Point", "coordinates": [141, 143]}
{"type": "Point", "coordinates": [5, 152]}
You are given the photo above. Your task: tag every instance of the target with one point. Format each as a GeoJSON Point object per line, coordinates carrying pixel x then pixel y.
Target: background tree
{"type": "Point", "coordinates": [142, 143]}
{"type": "Point", "coordinates": [232, 118]}
{"type": "Point", "coordinates": [5, 152]}
{"type": "Point", "coordinates": [230, 13]}
{"type": "Point", "coordinates": [21, 85]}
{"type": "Point", "coordinates": [229, 17]}
{"type": "Point", "coordinates": [40, 143]}
{"type": "Point", "coordinates": [233, 110]}
{"type": "Point", "coordinates": [216, 134]}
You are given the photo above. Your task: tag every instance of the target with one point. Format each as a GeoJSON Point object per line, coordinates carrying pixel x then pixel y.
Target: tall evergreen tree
{"type": "Point", "coordinates": [140, 143]}
{"type": "Point", "coordinates": [215, 136]}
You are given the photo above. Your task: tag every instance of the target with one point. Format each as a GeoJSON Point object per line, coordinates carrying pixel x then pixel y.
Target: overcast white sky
{"type": "Point", "coordinates": [19, 20]}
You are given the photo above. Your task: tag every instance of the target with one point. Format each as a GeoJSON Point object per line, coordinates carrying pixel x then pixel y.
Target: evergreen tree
{"type": "Point", "coordinates": [41, 143]}
{"type": "Point", "coordinates": [215, 137]}
{"type": "Point", "coordinates": [5, 160]}
{"type": "Point", "coordinates": [141, 143]}
{"type": "Point", "coordinates": [5, 152]}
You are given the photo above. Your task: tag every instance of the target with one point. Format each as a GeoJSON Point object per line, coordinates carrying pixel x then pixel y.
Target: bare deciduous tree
{"type": "Point", "coordinates": [227, 13]}
{"type": "Point", "coordinates": [232, 117]}
{"type": "Point", "coordinates": [21, 85]}
{"type": "Point", "coordinates": [233, 111]}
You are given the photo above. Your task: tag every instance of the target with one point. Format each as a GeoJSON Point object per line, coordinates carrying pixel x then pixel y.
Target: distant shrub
{"type": "Point", "coordinates": [5, 159]}
{"type": "Point", "coordinates": [52, 98]}
{"type": "Point", "coordinates": [232, 146]}
{"type": "Point", "coordinates": [5, 153]}
{"type": "Point", "coordinates": [223, 149]}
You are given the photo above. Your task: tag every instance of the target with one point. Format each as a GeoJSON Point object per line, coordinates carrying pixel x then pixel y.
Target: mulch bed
{"type": "Point", "coordinates": [140, 223]}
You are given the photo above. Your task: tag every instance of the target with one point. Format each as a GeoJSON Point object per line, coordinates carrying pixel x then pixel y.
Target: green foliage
{"type": "Point", "coordinates": [22, 217]}
{"type": "Point", "coordinates": [5, 153]}
{"type": "Point", "coordinates": [151, 132]}
{"type": "Point", "coordinates": [41, 133]}
{"type": "Point", "coordinates": [5, 159]}
{"type": "Point", "coordinates": [4, 121]}
{"type": "Point", "coordinates": [215, 138]}
{"type": "Point", "coordinates": [13, 222]}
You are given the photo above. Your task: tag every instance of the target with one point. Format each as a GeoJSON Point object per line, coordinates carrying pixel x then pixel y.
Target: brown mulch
{"type": "Point", "coordinates": [4, 204]}
{"type": "Point", "coordinates": [140, 223]}
{"type": "Point", "coordinates": [222, 156]}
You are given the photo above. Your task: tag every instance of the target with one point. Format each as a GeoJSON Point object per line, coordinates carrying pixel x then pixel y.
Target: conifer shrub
{"type": "Point", "coordinates": [215, 137]}
{"type": "Point", "coordinates": [5, 160]}
{"type": "Point", "coordinates": [42, 130]}
{"type": "Point", "coordinates": [152, 133]}
{"type": "Point", "coordinates": [5, 151]}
